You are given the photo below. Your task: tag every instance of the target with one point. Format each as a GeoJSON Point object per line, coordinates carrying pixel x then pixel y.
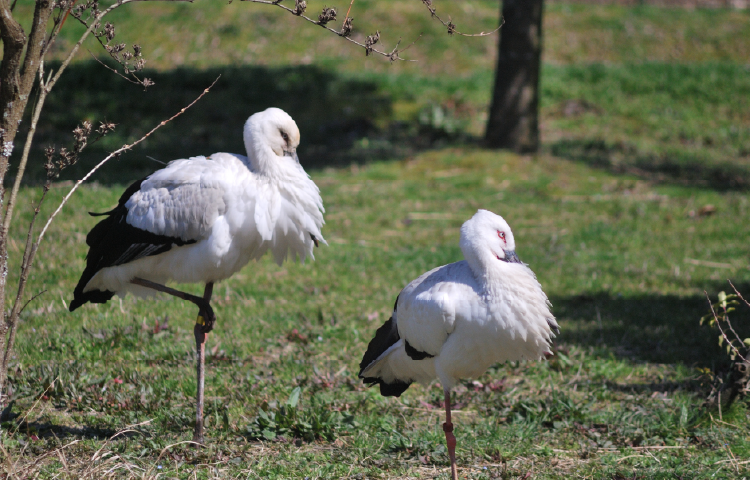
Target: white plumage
{"type": "Point", "coordinates": [201, 220]}
{"type": "Point", "coordinates": [226, 209]}
{"type": "Point", "coordinates": [457, 320]}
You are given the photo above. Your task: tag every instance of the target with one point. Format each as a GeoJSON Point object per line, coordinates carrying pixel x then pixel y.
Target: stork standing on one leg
{"type": "Point", "coordinates": [201, 220]}
{"type": "Point", "coordinates": [459, 319]}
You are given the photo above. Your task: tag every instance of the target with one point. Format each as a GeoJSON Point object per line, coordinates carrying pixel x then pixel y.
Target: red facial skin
{"type": "Point", "coordinates": [502, 237]}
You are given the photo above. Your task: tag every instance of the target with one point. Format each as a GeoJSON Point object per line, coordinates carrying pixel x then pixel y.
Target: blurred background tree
{"type": "Point", "coordinates": [514, 112]}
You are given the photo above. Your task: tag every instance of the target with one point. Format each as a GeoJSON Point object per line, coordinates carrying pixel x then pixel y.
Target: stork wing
{"type": "Point", "coordinates": [181, 201]}
{"type": "Point", "coordinates": [172, 207]}
{"type": "Point", "coordinates": [428, 306]}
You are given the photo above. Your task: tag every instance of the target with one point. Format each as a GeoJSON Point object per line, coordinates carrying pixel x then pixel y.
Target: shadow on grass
{"type": "Point", "coordinates": [342, 120]}
{"type": "Point", "coordinates": [659, 329]}
{"type": "Point", "coordinates": [662, 329]}
{"type": "Point", "coordinates": [673, 167]}
{"type": "Point", "coordinates": [47, 430]}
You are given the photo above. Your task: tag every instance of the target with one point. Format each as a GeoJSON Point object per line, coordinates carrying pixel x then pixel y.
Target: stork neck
{"type": "Point", "coordinates": [489, 273]}
{"type": "Point", "coordinates": [262, 158]}
{"type": "Point", "coordinates": [265, 162]}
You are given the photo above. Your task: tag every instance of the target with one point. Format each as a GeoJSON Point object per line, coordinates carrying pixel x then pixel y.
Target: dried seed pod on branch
{"type": "Point", "coordinates": [347, 27]}
{"type": "Point", "coordinates": [370, 41]}
{"type": "Point", "coordinates": [327, 15]}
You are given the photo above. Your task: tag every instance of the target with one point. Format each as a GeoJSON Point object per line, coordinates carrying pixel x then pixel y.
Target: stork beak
{"type": "Point", "coordinates": [292, 154]}
{"type": "Point", "coordinates": [511, 257]}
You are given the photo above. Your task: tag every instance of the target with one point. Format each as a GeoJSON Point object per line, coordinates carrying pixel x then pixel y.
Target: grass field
{"type": "Point", "coordinates": [645, 125]}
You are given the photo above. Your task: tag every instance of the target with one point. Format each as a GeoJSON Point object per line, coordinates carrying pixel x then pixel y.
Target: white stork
{"type": "Point", "coordinates": [457, 320]}
{"type": "Point", "coordinates": [204, 218]}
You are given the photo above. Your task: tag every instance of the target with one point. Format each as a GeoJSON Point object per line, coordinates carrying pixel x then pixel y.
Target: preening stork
{"type": "Point", "coordinates": [457, 320]}
{"type": "Point", "coordinates": [201, 220]}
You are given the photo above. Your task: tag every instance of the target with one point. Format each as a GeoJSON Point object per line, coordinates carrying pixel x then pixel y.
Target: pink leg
{"type": "Point", "coordinates": [203, 325]}
{"type": "Point", "coordinates": [450, 439]}
{"type": "Point", "coordinates": [200, 348]}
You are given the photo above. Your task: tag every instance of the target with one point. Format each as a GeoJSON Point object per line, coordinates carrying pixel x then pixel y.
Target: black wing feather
{"type": "Point", "coordinates": [385, 337]}
{"type": "Point", "coordinates": [415, 354]}
{"type": "Point", "coordinates": [113, 241]}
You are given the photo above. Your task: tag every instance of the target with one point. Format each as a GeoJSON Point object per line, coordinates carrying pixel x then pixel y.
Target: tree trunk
{"type": "Point", "coordinates": [17, 78]}
{"type": "Point", "coordinates": [514, 120]}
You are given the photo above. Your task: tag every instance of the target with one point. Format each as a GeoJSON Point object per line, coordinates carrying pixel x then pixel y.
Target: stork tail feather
{"type": "Point", "coordinates": [385, 338]}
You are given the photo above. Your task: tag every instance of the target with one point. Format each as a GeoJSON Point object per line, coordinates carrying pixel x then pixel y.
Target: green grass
{"type": "Point", "coordinates": [644, 122]}
{"type": "Point", "coordinates": [609, 250]}
{"type": "Point", "coordinates": [683, 123]}
{"type": "Point", "coordinates": [661, 93]}
{"type": "Point", "coordinates": [205, 34]}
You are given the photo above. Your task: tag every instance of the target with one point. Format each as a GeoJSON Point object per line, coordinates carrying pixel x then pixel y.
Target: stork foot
{"type": "Point", "coordinates": [206, 317]}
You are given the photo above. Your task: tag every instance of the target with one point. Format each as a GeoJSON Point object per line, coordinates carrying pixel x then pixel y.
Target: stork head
{"type": "Point", "coordinates": [486, 238]}
{"type": "Point", "coordinates": [268, 133]}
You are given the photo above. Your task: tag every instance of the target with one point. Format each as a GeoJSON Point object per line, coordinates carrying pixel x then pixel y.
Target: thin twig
{"type": "Point", "coordinates": [128, 429]}
{"type": "Point", "coordinates": [91, 28]}
{"type": "Point", "coordinates": [20, 422]}
{"type": "Point", "coordinates": [738, 293]}
{"type": "Point", "coordinates": [140, 82]}
{"type": "Point", "coordinates": [348, 11]}
{"type": "Point", "coordinates": [746, 303]}
{"type": "Point", "coordinates": [392, 56]}
{"type": "Point", "coordinates": [117, 152]}
{"type": "Point", "coordinates": [718, 324]}
{"type": "Point", "coordinates": [732, 458]}
{"type": "Point", "coordinates": [452, 27]}
{"type": "Point", "coordinates": [31, 300]}
{"type": "Point", "coordinates": [58, 24]}
{"type": "Point", "coordinates": [45, 88]}
{"type": "Point", "coordinates": [29, 252]}
{"type": "Point", "coordinates": [731, 328]}
{"type": "Point", "coordinates": [145, 82]}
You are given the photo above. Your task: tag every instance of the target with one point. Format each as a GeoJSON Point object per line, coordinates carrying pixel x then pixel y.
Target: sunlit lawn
{"type": "Point", "coordinates": [635, 207]}
{"type": "Point", "coordinates": [624, 262]}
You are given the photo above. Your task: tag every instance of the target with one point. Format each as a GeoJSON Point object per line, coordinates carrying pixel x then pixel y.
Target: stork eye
{"type": "Point", "coordinates": [284, 136]}
{"type": "Point", "coordinates": [501, 235]}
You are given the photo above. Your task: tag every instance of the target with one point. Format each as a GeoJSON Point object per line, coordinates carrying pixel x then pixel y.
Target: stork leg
{"type": "Point", "coordinates": [200, 349]}
{"type": "Point", "coordinates": [203, 325]}
{"type": "Point", "coordinates": [450, 439]}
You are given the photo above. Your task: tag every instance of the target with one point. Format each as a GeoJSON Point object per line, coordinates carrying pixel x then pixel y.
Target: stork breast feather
{"type": "Point", "coordinates": [267, 209]}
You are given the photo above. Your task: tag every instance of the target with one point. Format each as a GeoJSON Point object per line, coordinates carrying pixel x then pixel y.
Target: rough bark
{"type": "Point", "coordinates": [513, 121]}
{"type": "Point", "coordinates": [16, 82]}
{"type": "Point", "coordinates": [16, 79]}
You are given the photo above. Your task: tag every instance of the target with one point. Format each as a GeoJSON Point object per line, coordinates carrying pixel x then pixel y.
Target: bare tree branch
{"type": "Point", "coordinates": [31, 248]}
{"type": "Point", "coordinates": [45, 88]}
{"type": "Point", "coordinates": [15, 87]}
{"type": "Point", "coordinates": [322, 21]}
{"type": "Point", "coordinates": [116, 153]}
{"type": "Point", "coordinates": [25, 156]}
{"type": "Point", "coordinates": [136, 82]}
{"type": "Point", "coordinates": [724, 335]}
{"type": "Point", "coordinates": [452, 27]}
{"type": "Point", "coordinates": [91, 28]}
